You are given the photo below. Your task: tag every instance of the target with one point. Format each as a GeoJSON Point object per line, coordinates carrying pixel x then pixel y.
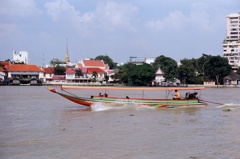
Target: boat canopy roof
{"type": "Point", "coordinates": [129, 88]}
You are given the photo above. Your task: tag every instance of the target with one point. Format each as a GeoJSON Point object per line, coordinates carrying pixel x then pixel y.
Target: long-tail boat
{"type": "Point", "coordinates": [190, 99]}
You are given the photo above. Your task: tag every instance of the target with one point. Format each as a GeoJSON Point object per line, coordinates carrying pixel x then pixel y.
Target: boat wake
{"type": "Point", "coordinates": [100, 107]}
{"type": "Point", "coordinates": [106, 107]}
{"type": "Point", "coordinates": [230, 106]}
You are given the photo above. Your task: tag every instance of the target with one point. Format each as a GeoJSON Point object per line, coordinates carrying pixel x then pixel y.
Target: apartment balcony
{"type": "Point", "coordinates": [230, 42]}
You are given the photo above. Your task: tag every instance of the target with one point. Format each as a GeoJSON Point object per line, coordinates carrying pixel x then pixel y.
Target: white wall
{"type": "Point", "coordinates": [2, 75]}
{"type": "Point", "coordinates": [21, 57]}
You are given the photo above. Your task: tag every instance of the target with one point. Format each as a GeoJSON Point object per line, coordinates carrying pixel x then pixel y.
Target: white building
{"type": "Point", "coordinates": [22, 57]}
{"type": "Point", "coordinates": [231, 44]}
{"type": "Point", "coordinates": [2, 74]}
{"type": "Point", "coordinates": [159, 78]}
{"type": "Point", "coordinates": [150, 60]}
{"type": "Point", "coordinates": [141, 60]}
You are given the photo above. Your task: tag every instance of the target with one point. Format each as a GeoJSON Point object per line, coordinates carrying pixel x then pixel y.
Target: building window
{"type": "Point", "coordinates": [234, 18]}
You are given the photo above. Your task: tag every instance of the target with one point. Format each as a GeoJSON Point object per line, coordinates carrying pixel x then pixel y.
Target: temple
{"type": "Point", "coordinates": [67, 56]}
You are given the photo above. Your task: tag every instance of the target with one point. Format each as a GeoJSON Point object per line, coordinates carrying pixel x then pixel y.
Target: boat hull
{"type": "Point", "coordinates": [149, 102]}
{"type": "Point", "coordinates": [133, 101]}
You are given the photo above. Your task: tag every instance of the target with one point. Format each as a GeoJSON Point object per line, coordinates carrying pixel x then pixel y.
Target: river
{"type": "Point", "coordinates": [36, 123]}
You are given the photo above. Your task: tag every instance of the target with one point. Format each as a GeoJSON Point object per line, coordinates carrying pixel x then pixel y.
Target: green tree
{"type": "Point", "coordinates": [59, 70]}
{"type": "Point", "coordinates": [123, 72]}
{"type": "Point", "coordinates": [106, 77]}
{"type": "Point", "coordinates": [94, 75]}
{"type": "Point", "coordinates": [201, 64]}
{"type": "Point", "coordinates": [141, 75]}
{"type": "Point", "coordinates": [187, 71]}
{"type": "Point", "coordinates": [56, 61]}
{"type": "Point", "coordinates": [138, 75]}
{"type": "Point", "coordinates": [107, 60]}
{"type": "Point", "coordinates": [79, 72]}
{"type": "Point", "coordinates": [217, 68]}
{"type": "Point", "coordinates": [238, 70]}
{"type": "Point", "coordinates": [168, 66]}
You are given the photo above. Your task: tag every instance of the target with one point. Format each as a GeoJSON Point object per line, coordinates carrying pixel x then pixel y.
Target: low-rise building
{"type": "Point", "coordinates": [5, 64]}
{"type": "Point", "coordinates": [159, 78]}
{"type": "Point", "coordinates": [93, 64]}
{"type": "Point", "coordinates": [2, 74]}
{"type": "Point", "coordinates": [88, 67]}
{"type": "Point", "coordinates": [58, 79]}
{"type": "Point", "coordinates": [141, 60]}
{"type": "Point", "coordinates": [48, 73]}
{"type": "Point", "coordinates": [70, 73]}
{"type": "Point", "coordinates": [232, 79]}
{"type": "Point", "coordinates": [89, 73]}
{"type": "Point", "coordinates": [25, 74]}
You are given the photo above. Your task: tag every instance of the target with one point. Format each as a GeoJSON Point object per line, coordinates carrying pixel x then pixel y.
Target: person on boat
{"type": "Point", "coordinates": [177, 95]}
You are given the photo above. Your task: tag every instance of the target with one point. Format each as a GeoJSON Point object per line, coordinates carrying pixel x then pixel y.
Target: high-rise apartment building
{"type": "Point", "coordinates": [231, 44]}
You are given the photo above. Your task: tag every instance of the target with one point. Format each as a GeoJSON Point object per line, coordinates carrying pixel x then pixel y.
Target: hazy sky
{"type": "Point", "coordinates": [119, 28]}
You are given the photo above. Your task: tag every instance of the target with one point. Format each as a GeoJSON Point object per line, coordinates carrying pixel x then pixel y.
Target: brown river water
{"type": "Point", "coordinates": [38, 124]}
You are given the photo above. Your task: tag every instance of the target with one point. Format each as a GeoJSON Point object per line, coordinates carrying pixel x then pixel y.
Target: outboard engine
{"type": "Point", "coordinates": [191, 95]}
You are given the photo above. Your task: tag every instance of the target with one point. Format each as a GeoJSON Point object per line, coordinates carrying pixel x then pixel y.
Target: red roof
{"type": "Point", "coordinates": [6, 64]}
{"type": "Point", "coordinates": [70, 71]}
{"type": "Point", "coordinates": [48, 69]}
{"type": "Point", "coordinates": [1, 69]}
{"type": "Point", "coordinates": [94, 63]}
{"type": "Point", "coordinates": [110, 71]}
{"type": "Point", "coordinates": [91, 70]}
{"type": "Point", "coordinates": [24, 68]}
{"type": "Point", "coordinates": [80, 65]}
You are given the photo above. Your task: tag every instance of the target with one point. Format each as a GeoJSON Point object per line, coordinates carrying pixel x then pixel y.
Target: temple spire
{"type": "Point", "coordinates": [67, 56]}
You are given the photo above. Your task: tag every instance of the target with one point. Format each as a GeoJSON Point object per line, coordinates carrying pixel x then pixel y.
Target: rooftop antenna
{"type": "Point", "coordinates": [67, 46]}
{"type": "Point", "coordinates": [43, 61]}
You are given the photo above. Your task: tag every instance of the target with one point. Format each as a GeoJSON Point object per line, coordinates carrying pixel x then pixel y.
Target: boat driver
{"type": "Point", "coordinates": [177, 95]}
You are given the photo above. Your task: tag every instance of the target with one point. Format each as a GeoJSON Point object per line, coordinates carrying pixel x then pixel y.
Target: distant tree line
{"type": "Point", "coordinates": [190, 71]}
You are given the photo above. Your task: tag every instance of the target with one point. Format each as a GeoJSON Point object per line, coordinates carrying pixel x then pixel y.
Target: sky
{"type": "Point", "coordinates": [118, 28]}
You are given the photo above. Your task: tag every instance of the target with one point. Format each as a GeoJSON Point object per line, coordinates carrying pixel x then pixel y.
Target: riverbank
{"type": "Point", "coordinates": [215, 86]}
{"type": "Point", "coordinates": [189, 85]}
{"type": "Point", "coordinates": [99, 84]}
